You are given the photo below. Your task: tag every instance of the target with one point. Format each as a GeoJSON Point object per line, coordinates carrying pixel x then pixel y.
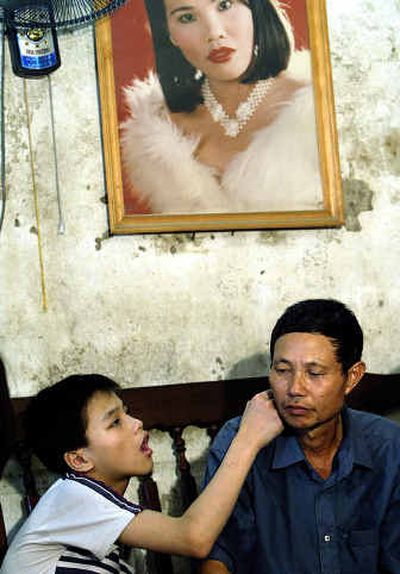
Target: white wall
{"type": "Point", "coordinates": [175, 308]}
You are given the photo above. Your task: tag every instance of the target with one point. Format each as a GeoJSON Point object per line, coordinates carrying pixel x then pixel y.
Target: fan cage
{"type": "Point", "coordinates": [56, 13]}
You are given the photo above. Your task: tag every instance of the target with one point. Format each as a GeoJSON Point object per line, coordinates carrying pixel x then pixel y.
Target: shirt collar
{"type": "Point", "coordinates": [287, 451]}
{"type": "Point", "coordinates": [354, 440]}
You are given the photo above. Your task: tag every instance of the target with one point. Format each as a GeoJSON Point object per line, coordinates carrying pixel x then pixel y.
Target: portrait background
{"type": "Point", "coordinates": [133, 57]}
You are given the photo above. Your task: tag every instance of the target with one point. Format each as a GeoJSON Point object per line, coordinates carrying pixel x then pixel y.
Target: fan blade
{"type": "Point", "coordinates": [57, 13]}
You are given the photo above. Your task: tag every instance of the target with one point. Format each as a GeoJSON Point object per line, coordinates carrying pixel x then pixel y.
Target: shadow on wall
{"type": "Point", "coordinates": [394, 414]}
{"type": "Point", "coordinates": [256, 365]}
{"type": "Point", "coordinates": [358, 197]}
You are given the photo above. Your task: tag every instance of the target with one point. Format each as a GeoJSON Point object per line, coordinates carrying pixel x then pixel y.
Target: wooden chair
{"type": "Point", "coordinates": [7, 432]}
{"type": "Point", "coordinates": [171, 408]}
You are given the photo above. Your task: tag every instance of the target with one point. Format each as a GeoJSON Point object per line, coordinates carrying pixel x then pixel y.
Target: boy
{"type": "Point", "coordinates": [80, 428]}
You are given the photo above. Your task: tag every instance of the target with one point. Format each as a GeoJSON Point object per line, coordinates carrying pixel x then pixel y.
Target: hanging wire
{"type": "Point", "coordinates": [2, 131]}
{"type": "Point", "coordinates": [61, 223]}
{"type": "Point", "coordinates": [35, 199]}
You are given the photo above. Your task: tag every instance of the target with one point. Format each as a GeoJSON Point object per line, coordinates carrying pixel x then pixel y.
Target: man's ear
{"type": "Point", "coordinates": [354, 376]}
{"type": "Point", "coordinates": [78, 460]}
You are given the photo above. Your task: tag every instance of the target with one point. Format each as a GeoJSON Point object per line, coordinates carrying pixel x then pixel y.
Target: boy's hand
{"type": "Point", "coordinates": [260, 421]}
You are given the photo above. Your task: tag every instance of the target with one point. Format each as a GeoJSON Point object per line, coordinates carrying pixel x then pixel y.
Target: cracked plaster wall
{"type": "Point", "coordinates": [175, 308]}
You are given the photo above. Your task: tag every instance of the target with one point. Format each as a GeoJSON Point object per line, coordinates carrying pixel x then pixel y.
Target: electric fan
{"type": "Point", "coordinates": [30, 26]}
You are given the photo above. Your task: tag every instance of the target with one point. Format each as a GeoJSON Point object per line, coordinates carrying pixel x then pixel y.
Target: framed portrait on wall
{"type": "Point", "coordinates": [218, 115]}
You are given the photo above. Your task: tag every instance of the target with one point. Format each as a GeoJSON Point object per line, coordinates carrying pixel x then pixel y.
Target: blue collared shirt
{"type": "Point", "coordinates": [288, 520]}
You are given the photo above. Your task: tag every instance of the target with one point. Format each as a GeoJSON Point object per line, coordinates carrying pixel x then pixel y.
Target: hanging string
{"type": "Point", "coordinates": [61, 224]}
{"type": "Point", "coordinates": [35, 199]}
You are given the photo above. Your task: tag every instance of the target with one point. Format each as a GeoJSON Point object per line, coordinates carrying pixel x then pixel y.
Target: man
{"type": "Point", "coordinates": [324, 496]}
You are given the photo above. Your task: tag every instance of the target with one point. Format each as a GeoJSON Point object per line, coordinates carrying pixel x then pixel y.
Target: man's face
{"type": "Point", "coordinates": [117, 444]}
{"type": "Point", "coordinates": [307, 380]}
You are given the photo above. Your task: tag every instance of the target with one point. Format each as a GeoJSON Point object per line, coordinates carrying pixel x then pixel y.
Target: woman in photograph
{"type": "Point", "coordinates": [227, 124]}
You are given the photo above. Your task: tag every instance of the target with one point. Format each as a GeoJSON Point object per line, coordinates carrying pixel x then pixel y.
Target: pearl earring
{"type": "Point", "coordinates": [255, 50]}
{"type": "Point", "coordinates": [198, 75]}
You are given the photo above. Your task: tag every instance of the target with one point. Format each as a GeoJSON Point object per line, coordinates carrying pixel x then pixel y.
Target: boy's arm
{"type": "Point", "coordinates": [194, 533]}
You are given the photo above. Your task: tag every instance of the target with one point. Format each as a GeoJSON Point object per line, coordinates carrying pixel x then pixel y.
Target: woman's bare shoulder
{"type": "Point", "coordinates": [196, 121]}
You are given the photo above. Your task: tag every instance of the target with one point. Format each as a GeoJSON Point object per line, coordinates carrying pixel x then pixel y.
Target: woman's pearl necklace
{"type": "Point", "coordinates": [245, 110]}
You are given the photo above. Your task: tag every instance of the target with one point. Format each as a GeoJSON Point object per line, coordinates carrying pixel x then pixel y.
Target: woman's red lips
{"type": "Point", "coordinates": [220, 55]}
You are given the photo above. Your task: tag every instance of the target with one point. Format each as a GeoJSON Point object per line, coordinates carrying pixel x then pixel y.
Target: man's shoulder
{"type": "Point", "coordinates": [373, 423]}
{"type": "Point", "coordinates": [378, 434]}
{"type": "Point", "coordinates": [225, 435]}
{"type": "Point", "coordinates": [231, 426]}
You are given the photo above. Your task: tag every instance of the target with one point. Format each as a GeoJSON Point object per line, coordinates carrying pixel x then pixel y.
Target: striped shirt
{"type": "Point", "coordinates": [77, 561]}
{"type": "Point", "coordinates": [73, 530]}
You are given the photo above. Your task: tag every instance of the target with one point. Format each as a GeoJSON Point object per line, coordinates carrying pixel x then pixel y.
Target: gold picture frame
{"type": "Point", "coordinates": [123, 220]}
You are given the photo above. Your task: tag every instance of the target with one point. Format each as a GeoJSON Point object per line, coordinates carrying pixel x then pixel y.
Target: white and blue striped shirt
{"type": "Point", "coordinates": [73, 530]}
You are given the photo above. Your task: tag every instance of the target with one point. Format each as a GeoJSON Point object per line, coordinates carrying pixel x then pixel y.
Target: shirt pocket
{"type": "Point", "coordinates": [362, 547]}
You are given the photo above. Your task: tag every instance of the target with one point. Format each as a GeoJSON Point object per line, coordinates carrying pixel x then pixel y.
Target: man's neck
{"type": "Point", "coordinates": [321, 444]}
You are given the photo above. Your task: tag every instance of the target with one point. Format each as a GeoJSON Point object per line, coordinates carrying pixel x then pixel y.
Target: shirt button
{"type": "Point", "coordinates": [327, 538]}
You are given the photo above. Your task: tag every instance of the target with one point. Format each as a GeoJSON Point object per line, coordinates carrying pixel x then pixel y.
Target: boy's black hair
{"type": "Point", "coordinates": [56, 418]}
{"type": "Point", "coordinates": [182, 91]}
{"type": "Point", "coordinates": [325, 317]}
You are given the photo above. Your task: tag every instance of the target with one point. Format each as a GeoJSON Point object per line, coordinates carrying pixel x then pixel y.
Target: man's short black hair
{"type": "Point", "coordinates": [325, 317]}
{"type": "Point", "coordinates": [179, 82]}
{"type": "Point", "coordinates": [56, 418]}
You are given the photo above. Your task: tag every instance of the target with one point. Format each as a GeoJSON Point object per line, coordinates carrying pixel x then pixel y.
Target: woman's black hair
{"type": "Point", "coordinates": [181, 87]}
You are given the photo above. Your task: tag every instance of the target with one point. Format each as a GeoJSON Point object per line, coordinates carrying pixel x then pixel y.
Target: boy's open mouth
{"type": "Point", "coordinates": [144, 447]}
